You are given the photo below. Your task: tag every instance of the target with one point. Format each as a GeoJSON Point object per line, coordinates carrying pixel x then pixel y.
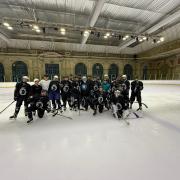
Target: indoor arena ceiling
{"type": "Point", "coordinates": [108, 26]}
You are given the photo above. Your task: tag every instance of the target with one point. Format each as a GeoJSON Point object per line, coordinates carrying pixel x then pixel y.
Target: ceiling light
{"type": "Point", "coordinates": [127, 36]}
{"type": "Point", "coordinates": [85, 34]}
{"type": "Point", "coordinates": [162, 39]}
{"type": "Point", "coordinates": [6, 24]}
{"type": "Point", "coordinates": [105, 37]}
{"type": "Point", "coordinates": [62, 29]}
{"type": "Point", "coordinates": [38, 30]}
{"type": "Point", "coordinates": [144, 38]}
{"type": "Point", "coordinates": [124, 38]}
{"type": "Point", "coordinates": [158, 41]}
{"type": "Point", "coordinates": [63, 32]}
{"type": "Point", "coordinates": [140, 40]}
{"type": "Point", "coordinates": [107, 34]}
{"type": "Point", "coordinates": [10, 28]}
{"type": "Point", "coordinates": [35, 27]}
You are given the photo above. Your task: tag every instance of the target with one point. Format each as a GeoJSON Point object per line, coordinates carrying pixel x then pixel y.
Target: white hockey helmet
{"type": "Point", "coordinates": [55, 77]}
{"type": "Point", "coordinates": [84, 78]}
{"type": "Point", "coordinates": [36, 79]}
{"type": "Point", "coordinates": [124, 76]}
{"type": "Point", "coordinates": [25, 78]}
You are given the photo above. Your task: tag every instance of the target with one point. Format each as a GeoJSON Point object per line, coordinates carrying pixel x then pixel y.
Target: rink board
{"type": "Point", "coordinates": [152, 82]}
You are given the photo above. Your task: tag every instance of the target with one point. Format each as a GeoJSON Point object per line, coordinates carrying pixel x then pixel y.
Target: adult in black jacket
{"type": "Point", "coordinates": [65, 91]}
{"type": "Point", "coordinates": [136, 88]}
{"type": "Point", "coordinates": [21, 94]}
{"type": "Point", "coordinates": [36, 88]}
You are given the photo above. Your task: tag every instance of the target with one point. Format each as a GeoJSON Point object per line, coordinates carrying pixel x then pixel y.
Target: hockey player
{"type": "Point", "coordinates": [106, 86]}
{"type": "Point", "coordinates": [85, 90]}
{"type": "Point", "coordinates": [21, 94]}
{"type": "Point", "coordinates": [54, 93]}
{"type": "Point", "coordinates": [39, 103]}
{"type": "Point", "coordinates": [95, 84]}
{"type": "Point", "coordinates": [136, 88]}
{"type": "Point", "coordinates": [36, 88]}
{"type": "Point", "coordinates": [45, 83]}
{"type": "Point", "coordinates": [98, 100]}
{"type": "Point", "coordinates": [65, 91]}
{"type": "Point", "coordinates": [118, 104]}
{"type": "Point", "coordinates": [75, 94]}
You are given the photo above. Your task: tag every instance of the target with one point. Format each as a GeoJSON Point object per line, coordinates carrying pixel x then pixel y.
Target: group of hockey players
{"type": "Point", "coordinates": [79, 93]}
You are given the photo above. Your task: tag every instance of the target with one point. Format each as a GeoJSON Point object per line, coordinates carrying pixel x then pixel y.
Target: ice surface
{"type": "Point", "coordinates": [94, 148]}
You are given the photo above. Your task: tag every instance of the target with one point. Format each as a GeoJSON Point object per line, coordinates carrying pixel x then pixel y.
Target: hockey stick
{"type": "Point", "coordinates": [65, 116]}
{"type": "Point", "coordinates": [7, 107]}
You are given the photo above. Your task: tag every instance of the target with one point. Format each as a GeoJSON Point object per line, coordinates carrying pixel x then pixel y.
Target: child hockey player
{"type": "Point", "coordinates": [136, 88]}
{"type": "Point", "coordinates": [21, 94]}
{"type": "Point", "coordinates": [39, 103]}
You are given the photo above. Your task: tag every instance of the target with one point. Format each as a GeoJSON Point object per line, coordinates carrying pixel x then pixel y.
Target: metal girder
{"type": "Point", "coordinates": [96, 12]}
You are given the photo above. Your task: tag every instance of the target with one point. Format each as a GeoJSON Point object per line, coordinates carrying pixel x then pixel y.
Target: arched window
{"type": "Point", "coordinates": [113, 71]}
{"type": "Point", "coordinates": [80, 69]}
{"type": "Point", "coordinates": [1, 73]}
{"type": "Point", "coordinates": [51, 70]}
{"type": "Point", "coordinates": [97, 70]}
{"type": "Point", "coordinates": [19, 69]}
{"type": "Point", "coordinates": [128, 70]}
{"type": "Point", "coordinates": [145, 71]}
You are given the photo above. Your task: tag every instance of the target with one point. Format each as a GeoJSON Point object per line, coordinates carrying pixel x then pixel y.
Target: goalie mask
{"type": "Point", "coordinates": [22, 91]}
{"type": "Point", "coordinates": [39, 104]}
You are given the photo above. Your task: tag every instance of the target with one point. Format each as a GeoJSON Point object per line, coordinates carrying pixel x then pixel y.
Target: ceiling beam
{"type": "Point", "coordinates": [96, 12]}
{"type": "Point", "coordinates": [168, 19]}
{"type": "Point", "coordinates": [131, 7]}
{"type": "Point", "coordinates": [4, 37]}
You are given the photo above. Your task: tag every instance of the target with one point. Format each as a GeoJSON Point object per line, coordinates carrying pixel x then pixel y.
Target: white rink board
{"type": "Point", "coordinates": [157, 82]}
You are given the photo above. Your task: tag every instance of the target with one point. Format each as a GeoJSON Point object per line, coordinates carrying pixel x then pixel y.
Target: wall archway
{"type": "Point", "coordinates": [113, 71]}
{"type": "Point", "coordinates": [80, 69]}
{"type": "Point", "coordinates": [128, 70]}
{"type": "Point", "coordinates": [19, 69]}
{"type": "Point", "coordinates": [97, 70]}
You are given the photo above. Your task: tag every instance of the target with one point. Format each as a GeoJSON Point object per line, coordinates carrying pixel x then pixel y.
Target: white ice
{"type": "Point", "coordinates": [94, 148]}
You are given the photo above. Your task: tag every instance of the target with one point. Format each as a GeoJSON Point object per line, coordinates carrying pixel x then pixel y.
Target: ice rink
{"type": "Point", "coordinates": [94, 148]}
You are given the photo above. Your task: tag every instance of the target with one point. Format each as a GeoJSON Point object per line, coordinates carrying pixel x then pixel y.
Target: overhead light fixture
{"type": "Point", "coordinates": [127, 36]}
{"type": "Point", "coordinates": [105, 37]}
{"type": "Point", "coordinates": [140, 40]}
{"type": "Point", "coordinates": [38, 30]}
{"type": "Point", "coordinates": [144, 38]}
{"type": "Point", "coordinates": [124, 38]}
{"type": "Point", "coordinates": [107, 34]}
{"type": "Point", "coordinates": [35, 27]}
{"type": "Point", "coordinates": [161, 39]}
{"type": "Point", "coordinates": [6, 24]}
{"type": "Point", "coordinates": [158, 41]}
{"type": "Point", "coordinates": [86, 33]}
{"type": "Point", "coordinates": [62, 29]}
{"type": "Point", "coordinates": [63, 32]}
{"type": "Point", "coordinates": [10, 28]}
